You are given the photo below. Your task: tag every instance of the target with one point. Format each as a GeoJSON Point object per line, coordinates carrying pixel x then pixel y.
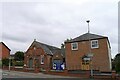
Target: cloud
{"type": "Point", "coordinates": [53, 21]}
{"type": "Point", "coordinates": [14, 38]}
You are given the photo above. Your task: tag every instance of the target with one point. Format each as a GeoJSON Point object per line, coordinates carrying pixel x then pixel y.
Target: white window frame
{"type": "Point", "coordinates": [95, 44]}
{"type": "Point", "coordinates": [73, 44]}
{"type": "Point", "coordinates": [42, 57]}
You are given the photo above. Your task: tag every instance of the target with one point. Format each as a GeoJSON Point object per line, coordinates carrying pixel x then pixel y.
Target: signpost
{"type": "Point", "coordinates": [90, 55]}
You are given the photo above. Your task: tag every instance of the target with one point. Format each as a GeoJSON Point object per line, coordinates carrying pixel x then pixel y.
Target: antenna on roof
{"type": "Point", "coordinates": [88, 26]}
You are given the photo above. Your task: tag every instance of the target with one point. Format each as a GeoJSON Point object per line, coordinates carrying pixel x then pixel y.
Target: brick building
{"type": "Point", "coordinates": [78, 49]}
{"type": "Point", "coordinates": [4, 51]}
{"type": "Point", "coordinates": [40, 55]}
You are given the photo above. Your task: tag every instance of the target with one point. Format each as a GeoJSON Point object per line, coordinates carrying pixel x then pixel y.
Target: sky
{"type": "Point", "coordinates": [53, 21]}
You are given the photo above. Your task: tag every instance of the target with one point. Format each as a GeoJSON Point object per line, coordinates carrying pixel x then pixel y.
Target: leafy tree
{"type": "Point", "coordinates": [19, 56]}
{"type": "Point", "coordinates": [62, 46]}
{"type": "Point", "coordinates": [5, 62]}
{"type": "Point", "coordinates": [113, 64]}
{"type": "Point", "coordinates": [117, 62]}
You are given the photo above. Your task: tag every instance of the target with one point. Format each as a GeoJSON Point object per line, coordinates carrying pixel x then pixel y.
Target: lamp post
{"type": "Point", "coordinates": [89, 36]}
{"type": "Point", "coordinates": [9, 63]}
{"type": "Point", "coordinates": [88, 26]}
{"type": "Point", "coordinates": [90, 54]}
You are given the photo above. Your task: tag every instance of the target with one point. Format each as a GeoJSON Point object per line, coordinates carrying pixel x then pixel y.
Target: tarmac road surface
{"type": "Point", "coordinates": [15, 75]}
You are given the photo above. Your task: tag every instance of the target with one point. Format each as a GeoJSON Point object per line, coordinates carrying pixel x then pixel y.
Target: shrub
{"type": "Point", "coordinates": [19, 63]}
{"type": "Point", "coordinates": [5, 62]}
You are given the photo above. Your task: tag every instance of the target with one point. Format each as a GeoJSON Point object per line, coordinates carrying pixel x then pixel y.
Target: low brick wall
{"type": "Point", "coordinates": [66, 73]}
{"type": "Point", "coordinates": [118, 77]}
{"type": "Point", "coordinates": [102, 76]}
{"type": "Point", "coordinates": [85, 74]}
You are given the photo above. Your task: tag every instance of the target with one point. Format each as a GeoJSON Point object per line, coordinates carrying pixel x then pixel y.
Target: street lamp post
{"type": "Point", "coordinates": [89, 36]}
{"type": "Point", "coordinates": [9, 63]}
{"type": "Point", "coordinates": [88, 26]}
{"type": "Point", "coordinates": [90, 54]}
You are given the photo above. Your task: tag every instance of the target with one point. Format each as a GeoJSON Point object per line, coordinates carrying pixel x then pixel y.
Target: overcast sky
{"type": "Point", "coordinates": [53, 21]}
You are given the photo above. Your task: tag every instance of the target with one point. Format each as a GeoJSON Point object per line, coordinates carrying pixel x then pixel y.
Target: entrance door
{"type": "Point", "coordinates": [85, 65]}
{"type": "Point", "coordinates": [57, 64]}
{"type": "Point", "coordinates": [30, 63]}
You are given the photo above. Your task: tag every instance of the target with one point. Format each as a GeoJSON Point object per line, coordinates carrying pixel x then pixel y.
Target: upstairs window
{"type": "Point", "coordinates": [42, 59]}
{"type": "Point", "coordinates": [94, 44]}
{"type": "Point", "coordinates": [74, 46]}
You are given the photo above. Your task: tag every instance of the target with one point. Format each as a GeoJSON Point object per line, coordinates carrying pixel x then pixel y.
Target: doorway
{"type": "Point", "coordinates": [30, 63]}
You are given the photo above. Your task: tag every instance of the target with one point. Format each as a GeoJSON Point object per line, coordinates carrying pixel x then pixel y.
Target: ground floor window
{"type": "Point", "coordinates": [42, 59]}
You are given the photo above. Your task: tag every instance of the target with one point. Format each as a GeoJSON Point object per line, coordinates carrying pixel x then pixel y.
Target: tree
{"type": "Point", "coordinates": [62, 46]}
{"type": "Point", "coordinates": [113, 64]}
{"type": "Point", "coordinates": [19, 56]}
{"type": "Point", "coordinates": [117, 62]}
{"type": "Point", "coordinates": [5, 62]}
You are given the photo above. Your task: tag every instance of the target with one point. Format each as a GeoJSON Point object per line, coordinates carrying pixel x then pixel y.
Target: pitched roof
{"type": "Point", "coordinates": [5, 45]}
{"type": "Point", "coordinates": [47, 48]}
{"type": "Point", "coordinates": [86, 37]}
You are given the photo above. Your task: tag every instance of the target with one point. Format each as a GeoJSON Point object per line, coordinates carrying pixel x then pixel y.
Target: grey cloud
{"type": "Point", "coordinates": [14, 38]}
{"type": "Point", "coordinates": [52, 22]}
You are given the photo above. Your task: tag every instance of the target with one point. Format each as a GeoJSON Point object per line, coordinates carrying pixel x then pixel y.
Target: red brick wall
{"type": "Point", "coordinates": [4, 51]}
{"type": "Point", "coordinates": [100, 59]}
{"type": "Point", "coordinates": [31, 53]}
{"type": "Point", "coordinates": [57, 56]}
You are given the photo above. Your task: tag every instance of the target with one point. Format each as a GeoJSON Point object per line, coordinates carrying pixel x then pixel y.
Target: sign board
{"type": "Point", "coordinates": [86, 59]}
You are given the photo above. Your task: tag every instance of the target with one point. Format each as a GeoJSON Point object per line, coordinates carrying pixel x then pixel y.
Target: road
{"type": "Point", "coordinates": [15, 75]}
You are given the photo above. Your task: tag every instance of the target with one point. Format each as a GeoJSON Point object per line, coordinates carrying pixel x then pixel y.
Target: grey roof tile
{"type": "Point", "coordinates": [47, 48]}
{"type": "Point", "coordinates": [85, 37]}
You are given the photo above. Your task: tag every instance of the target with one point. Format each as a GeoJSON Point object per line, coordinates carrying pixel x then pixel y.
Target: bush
{"type": "Point", "coordinates": [19, 63]}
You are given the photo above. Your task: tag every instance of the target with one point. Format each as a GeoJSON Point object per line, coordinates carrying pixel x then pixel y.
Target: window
{"type": "Point", "coordinates": [74, 46]}
{"type": "Point", "coordinates": [34, 48]}
{"type": "Point", "coordinates": [94, 44]}
{"type": "Point", "coordinates": [42, 59]}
